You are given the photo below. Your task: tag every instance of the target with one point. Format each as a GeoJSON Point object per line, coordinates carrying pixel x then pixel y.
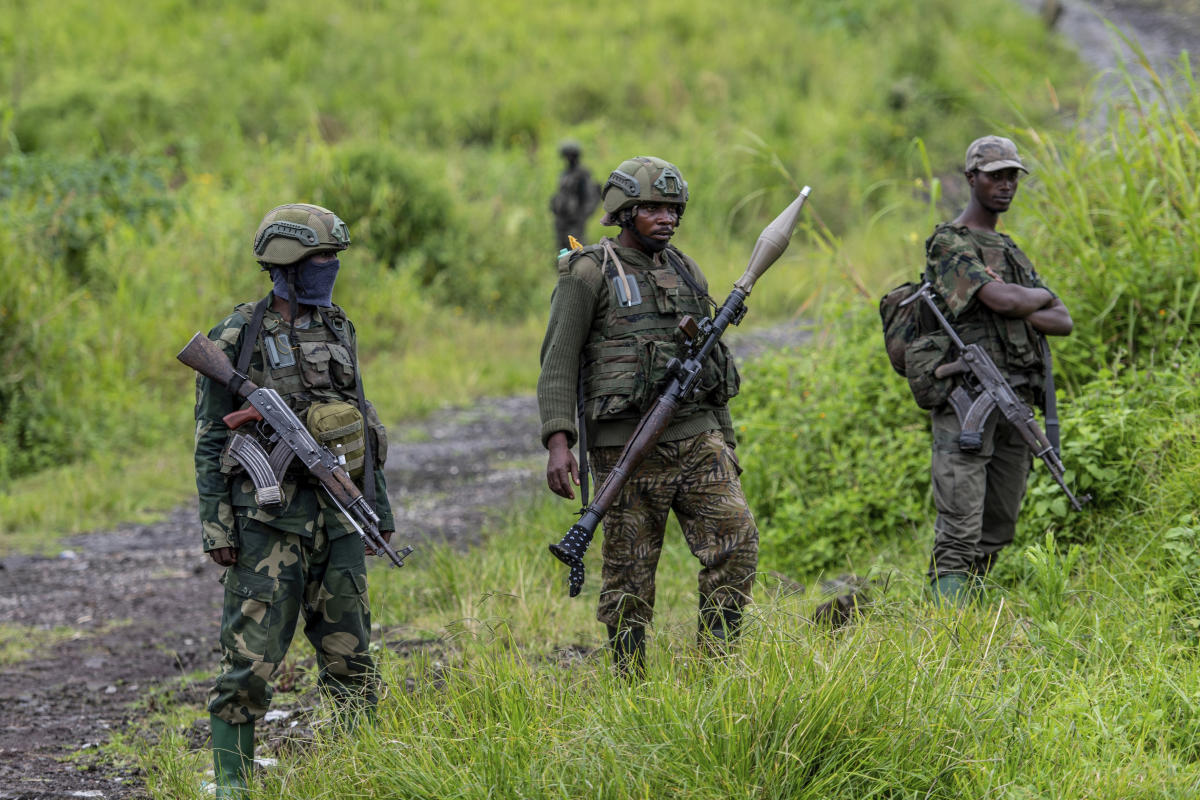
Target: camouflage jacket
{"type": "Point", "coordinates": [957, 258]}
{"type": "Point", "coordinates": [225, 490]}
{"type": "Point", "coordinates": [624, 349]}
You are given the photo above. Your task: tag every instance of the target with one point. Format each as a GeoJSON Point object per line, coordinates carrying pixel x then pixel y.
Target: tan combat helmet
{"type": "Point", "coordinates": [293, 232]}
{"type": "Point", "coordinates": [644, 179]}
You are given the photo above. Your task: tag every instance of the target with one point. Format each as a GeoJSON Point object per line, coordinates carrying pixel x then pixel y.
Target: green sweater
{"type": "Point", "coordinates": [579, 305]}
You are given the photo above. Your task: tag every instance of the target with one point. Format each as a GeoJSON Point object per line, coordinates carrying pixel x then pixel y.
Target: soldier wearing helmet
{"type": "Point", "coordinates": [612, 331]}
{"type": "Point", "coordinates": [299, 559]}
{"type": "Point", "coordinates": [994, 297]}
{"type": "Point", "coordinates": [576, 198]}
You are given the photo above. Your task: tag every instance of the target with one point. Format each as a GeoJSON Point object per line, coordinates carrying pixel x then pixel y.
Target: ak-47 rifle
{"type": "Point", "coordinates": [292, 441]}
{"type": "Point", "coordinates": [701, 337]}
{"type": "Point", "coordinates": [991, 392]}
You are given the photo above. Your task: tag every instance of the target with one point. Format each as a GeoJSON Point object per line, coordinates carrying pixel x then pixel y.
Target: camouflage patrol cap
{"type": "Point", "coordinates": [644, 179]}
{"type": "Point", "coordinates": [990, 153]}
{"type": "Point", "coordinates": [292, 232]}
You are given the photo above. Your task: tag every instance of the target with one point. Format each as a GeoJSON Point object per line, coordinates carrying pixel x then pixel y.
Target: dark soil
{"type": "Point", "coordinates": [145, 604]}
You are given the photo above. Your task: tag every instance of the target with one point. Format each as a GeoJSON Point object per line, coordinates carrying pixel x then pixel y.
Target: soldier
{"type": "Point", "coordinates": [614, 315]}
{"type": "Point", "coordinates": [994, 298]}
{"type": "Point", "coordinates": [301, 558]}
{"type": "Point", "coordinates": [575, 199]}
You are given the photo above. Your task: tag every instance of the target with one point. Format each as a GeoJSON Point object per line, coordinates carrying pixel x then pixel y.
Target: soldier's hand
{"type": "Point", "coordinates": [992, 274]}
{"type": "Point", "coordinates": [225, 556]}
{"type": "Point", "coordinates": [374, 551]}
{"type": "Point", "coordinates": [562, 469]}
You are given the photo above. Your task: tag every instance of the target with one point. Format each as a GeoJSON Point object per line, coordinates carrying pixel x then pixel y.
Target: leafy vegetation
{"type": "Point", "coordinates": [136, 169]}
{"type": "Point", "coordinates": [132, 184]}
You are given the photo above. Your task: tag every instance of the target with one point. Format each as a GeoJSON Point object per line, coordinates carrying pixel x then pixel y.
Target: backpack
{"type": "Point", "coordinates": [913, 352]}
{"type": "Point", "coordinates": [901, 324]}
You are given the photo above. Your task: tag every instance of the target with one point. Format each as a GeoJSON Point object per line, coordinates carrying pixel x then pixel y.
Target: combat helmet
{"type": "Point", "coordinates": [569, 147]}
{"type": "Point", "coordinates": [644, 179]}
{"type": "Point", "coordinates": [295, 231]}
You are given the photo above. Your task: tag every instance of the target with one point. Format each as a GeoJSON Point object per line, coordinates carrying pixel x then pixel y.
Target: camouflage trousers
{"type": "Point", "coordinates": [698, 479]}
{"type": "Point", "coordinates": [977, 495]}
{"type": "Point", "coordinates": [278, 579]}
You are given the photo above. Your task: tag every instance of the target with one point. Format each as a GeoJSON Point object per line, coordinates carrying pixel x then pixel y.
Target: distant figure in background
{"type": "Point", "coordinates": [576, 198]}
{"type": "Point", "coordinates": [994, 297]}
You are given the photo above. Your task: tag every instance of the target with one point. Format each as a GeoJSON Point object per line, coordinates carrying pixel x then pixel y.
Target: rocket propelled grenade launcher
{"type": "Point", "coordinates": [702, 337]}
{"type": "Point", "coordinates": [292, 440]}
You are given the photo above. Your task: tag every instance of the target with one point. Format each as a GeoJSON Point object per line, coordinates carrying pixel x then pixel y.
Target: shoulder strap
{"type": "Point", "coordinates": [249, 337]}
{"type": "Point", "coordinates": [369, 452]}
{"type": "Point", "coordinates": [677, 264]}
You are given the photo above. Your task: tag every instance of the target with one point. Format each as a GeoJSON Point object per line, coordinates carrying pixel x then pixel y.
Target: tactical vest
{"type": "Point", "coordinates": [627, 351]}
{"type": "Point", "coordinates": [1011, 342]}
{"type": "Point", "coordinates": [322, 369]}
{"type": "Point", "coordinates": [318, 367]}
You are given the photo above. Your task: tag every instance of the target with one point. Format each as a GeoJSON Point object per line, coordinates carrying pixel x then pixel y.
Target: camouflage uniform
{"type": "Point", "coordinates": [301, 559]}
{"type": "Point", "coordinates": [978, 495]}
{"type": "Point", "coordinates": [623, 351]}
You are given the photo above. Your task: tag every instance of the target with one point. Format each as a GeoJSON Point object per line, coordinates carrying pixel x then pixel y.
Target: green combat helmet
{"type": "Point", "coordinates": [292, 232]}
{"type": "Point", "coordinates": [642, 180]}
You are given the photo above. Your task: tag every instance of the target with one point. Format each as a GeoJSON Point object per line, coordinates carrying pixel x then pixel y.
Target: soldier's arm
{"type": "Point", "coordinates": [212, 403]}
{"type": "Point", "coordinates": [1053, 320]}
{"type": "Point", "coordinates": [571, 309]}
{"type": "Point", "coordinates": [1013, 300]}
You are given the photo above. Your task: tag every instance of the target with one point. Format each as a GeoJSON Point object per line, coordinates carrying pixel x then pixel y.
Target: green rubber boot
{"type": "Point", "coordinates": [233, 755]}
{"type": "Point", "coordinates": [952, 589]}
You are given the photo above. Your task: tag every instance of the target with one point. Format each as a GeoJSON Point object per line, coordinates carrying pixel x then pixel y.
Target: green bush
{"type": "Point", "coordinates": [396, 206]}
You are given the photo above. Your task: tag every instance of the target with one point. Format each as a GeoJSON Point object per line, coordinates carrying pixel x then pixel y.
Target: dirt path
{"type": "Point", "coordinates": [144, 604]}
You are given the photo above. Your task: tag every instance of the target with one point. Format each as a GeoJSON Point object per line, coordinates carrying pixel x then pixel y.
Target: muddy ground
{"type": "Point", "coordinates": [145, 604]}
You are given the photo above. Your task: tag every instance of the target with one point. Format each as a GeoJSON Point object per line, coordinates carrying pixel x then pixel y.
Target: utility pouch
{"type": "Point", "coordinates": [923, 355]}
{"type": "Point", "coordinates": [339, 426]}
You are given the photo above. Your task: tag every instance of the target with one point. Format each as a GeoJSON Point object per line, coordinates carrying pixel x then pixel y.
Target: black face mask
{"type": "Point", "coordinates": [313, 281]}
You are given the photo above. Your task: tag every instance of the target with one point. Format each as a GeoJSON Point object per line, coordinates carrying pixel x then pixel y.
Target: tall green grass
{"type": "Point", "coordinates": [1067, 683]}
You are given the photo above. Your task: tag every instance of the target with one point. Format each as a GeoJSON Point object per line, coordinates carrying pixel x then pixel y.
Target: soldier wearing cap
{"type": "Point", "coordinates": [300, 559]}
{"type": "Point", "coordinates": [576, 198]}
{"type": "Point", "coordinates": [612, 330]}
{"type": "Point", "coordinates": [994, 297]}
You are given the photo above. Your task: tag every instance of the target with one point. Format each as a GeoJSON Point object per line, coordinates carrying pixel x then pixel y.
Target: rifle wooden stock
{"type": "Point", "coordinates": [203, 355]}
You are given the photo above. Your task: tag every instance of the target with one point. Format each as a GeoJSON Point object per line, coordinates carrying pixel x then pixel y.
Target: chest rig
{"type": "Point", "coordinates": [310, 368]}
{"type": "Point", "coordinates": [1012, 343]}
{"type": "Point", "coordinates": [636, 334]}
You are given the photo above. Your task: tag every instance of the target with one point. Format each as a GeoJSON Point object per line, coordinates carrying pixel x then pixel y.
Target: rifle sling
{"type": "Point", "coordinates": [368, 450]}
{"type": "Point", "coordinates": [249, 337]}
{"type": "Point", "coordinates": [1051, 406]}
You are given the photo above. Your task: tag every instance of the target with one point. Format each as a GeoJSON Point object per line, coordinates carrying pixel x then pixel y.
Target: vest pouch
{"type": "Point", "coordinates": [314, 364]}
{"type": "Point", "coordinates": [922, 356]}
{"type": "Point", "coordinates": [720, 379]}
{"type": "Point", "coordinates": [341, 367]}
{"type": "Point", "coordinates": [653, 356]}
{"type": "Point", "coordinates": [339, 426]}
